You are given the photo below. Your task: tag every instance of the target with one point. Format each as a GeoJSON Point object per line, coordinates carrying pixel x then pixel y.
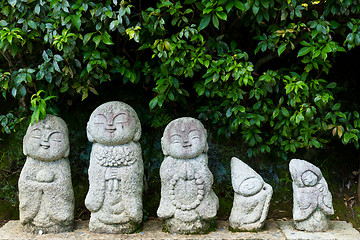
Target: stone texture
{"type": "Point", "coordinates": [188, 202]}
{"type": "Point", "coordinates": [340, 230]}
{"type": "Point", "coordinates": [251, 197]}
{"type": "Point", "coordinates": [116, 169]}
{"type": "Point", "coordinates": [152, 230]}
{"type": "Point", "coordinates": [45, 191]}
{"type": "Point", "coordinates": [311, 196]}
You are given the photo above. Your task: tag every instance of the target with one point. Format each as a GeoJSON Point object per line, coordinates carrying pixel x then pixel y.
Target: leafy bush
{"type": "Point", "coordinates": [257, 68]}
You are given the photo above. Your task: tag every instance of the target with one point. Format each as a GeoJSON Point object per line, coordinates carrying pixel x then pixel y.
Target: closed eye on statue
{"type": "Point", "coordinates": [55, 136]}
{"type": "Point", "coordinates": [36, 133]}
{"type": "Point", "coordinates": [121, 118]}
{"type": "Point", "coordinates": [100, 119]}
{"type": "Point", "coordinates": [194, 134]}
{"type": "Point", "coordinates": [176, 138]}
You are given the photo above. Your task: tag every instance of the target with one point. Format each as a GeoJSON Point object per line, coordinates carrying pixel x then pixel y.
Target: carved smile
{"type": "Point", "coordinates": [45, 146]}
{"type": "Point", "coordinates": [187, 146]}
{"type": "Point", "coordinates": [110, 130]}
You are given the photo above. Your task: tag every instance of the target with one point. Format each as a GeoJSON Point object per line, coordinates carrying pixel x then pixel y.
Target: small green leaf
{"type": "Point", "coordinates": [331, 85]}
{"type": "Point", "coordinates": [222, 15]}
{"type": "Point", "coordinates": [76, 20]}
{"type": "Point", "coordinates": [204, 22]}
{"type": "Point", "coordinates": [303, 51]}
{"type": "Point", "coordinates": [215, 21]}
{"type": "Point", "coordinates": [285, 112]}
{"type": "Point", "coordinates": [282, 48]}
{"type": "Point", "coordinates": [87, 37]}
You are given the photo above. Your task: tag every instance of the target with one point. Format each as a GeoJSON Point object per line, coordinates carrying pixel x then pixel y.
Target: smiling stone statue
{"type": "Point", "coordinates": [45, 190]}
{"type": "Point", "coordinates": [116, 169]}
{"type": "Point", "coordinates": [312, 198]}
{"type": "Point", "coordinates": [188, 202]}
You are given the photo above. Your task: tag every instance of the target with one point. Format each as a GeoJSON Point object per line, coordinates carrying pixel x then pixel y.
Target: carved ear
{"type": "Point", "coordinates": [89, 136]}
{"type": "Point", "coordinates": [137, 134]}
{"type": "Point", "coordinates": [206, 147]}
{"type": "Point", "coordinates": [164, 147]}
{"type": "Point", "coordinates": [67, 153]}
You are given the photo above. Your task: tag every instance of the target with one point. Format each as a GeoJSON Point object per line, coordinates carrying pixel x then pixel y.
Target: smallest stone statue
{"type": "Point", "coordinates": [45, 191]}
{"type": "Point", "coordinates": [312, 198]}
{"type": "Point", "coordinates": [251, 198]}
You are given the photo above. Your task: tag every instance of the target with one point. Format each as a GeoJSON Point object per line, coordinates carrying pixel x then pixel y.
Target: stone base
{"type": "Point", "coordinates": [238, 227]}
{"type": "Point", "coordinates": [31, 228]}
{"type": "Point", "coordinates": [152, 229]}
{"type": "Point", "coordinates": [97, 226]}
{"type": "Point", "coordinates": [340, 230]}
{"type": "Point", "coordinates": [174, 225]}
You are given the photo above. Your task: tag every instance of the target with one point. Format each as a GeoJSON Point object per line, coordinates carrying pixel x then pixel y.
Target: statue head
{"type": "Point", "coordinates": [184, 138]}
{"type": "Point", "coordinates": [309, 178]}
{"type": "Point", "coordinates": [47, 140]}
{"type": "Point", "coordinates": [250, 186]}
{"type": "Point", "coordinates": [113, 123]}
{"type": "Point", "coordinates": [304, 174]}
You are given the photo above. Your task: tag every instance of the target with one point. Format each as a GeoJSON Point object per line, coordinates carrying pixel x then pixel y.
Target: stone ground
{"type": "Point", "coordinates": [153, 230]}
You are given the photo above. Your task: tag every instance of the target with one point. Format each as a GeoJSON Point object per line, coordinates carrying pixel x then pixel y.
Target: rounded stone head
{"type": "Point", "coordinates": [184, 138]}
{"type": "Point", "coordinates": [304, 174]}
{"type": "Point", "coordinates": [250, 186]}
{"type": "Point", "coordinates": [113, 123]}
{"type": "Point", "coordinates": [47, 140]}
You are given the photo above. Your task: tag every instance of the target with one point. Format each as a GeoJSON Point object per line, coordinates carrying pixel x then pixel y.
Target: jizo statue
{"type": "Point", "coordinates": [116, 169]}
{"type": "Point", "coordinates": [45, 190]}
{"type": "Point", "coordinates": [188, 202]}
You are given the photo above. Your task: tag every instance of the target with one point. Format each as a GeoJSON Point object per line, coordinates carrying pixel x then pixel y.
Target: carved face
{"type": "Point", "coordinates": [309, 178]}
{"type": "Point", "coordinates": [250, 186]}
{"type": "Point", "coordinates": [113, 123]}
{"type": "Point", "coordinates": [47, 140]}
{"type": "Point", "coordinates": [184, 138]}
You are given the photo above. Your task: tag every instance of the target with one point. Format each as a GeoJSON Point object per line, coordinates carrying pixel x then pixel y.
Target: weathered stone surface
{"type": "Point", "coordinates": [116, 169]}
{"type": "Point", "coordinates": [188, 202]}
{"type": "Point", "coordinates": [251, 198]}
{"type": "Point", "coordinates": [151, 230]}
{"type": "Point", "coordinates": [45, 191]}
{"type": "Point", "coordinates": [340, 230]}
{"type": "Point", "coordinates": [311, 196]}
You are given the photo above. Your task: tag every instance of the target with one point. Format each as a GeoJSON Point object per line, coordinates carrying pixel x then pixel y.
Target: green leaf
{"type": "Point", "coordinates": [215, 21]}
{"type": "Point", "coordinates": [204, 22]}
{"type": "Point", "coordinates": [282, 48]}
{"type": "Point", "coordinates": [37, 9]}
{"type": "Point", "coordinates": [331, 85]}
{"type": "Point", "coordinates": [153, 103]}
{"type": "Point", "coordinates": [76, 20]}
{"type": "Point", "coordinates": [106, 38]}
{"type": "Point", "coordinates": [13, 92]}
{"type": "Point", "coordinates": [336, 107]}
{"type": "Point", "coordinates": [3, 23]}
{"type": "Point", "coordinates": [304, 51]}
{"type": "Point", "coordinates": [239, 5]}
{"type": "Point", "coordinates": [97, 40]}
{"type": "Point", "coordinates": [32, 24]}
{"type": "Point", "coordinates": [285, 112]}
{"type": "Point", "coordinates": [87, 37]}
{"type": "Point", "coordinates": [12, 2]}
{"type": "Point", "coordinates": [222, 15]}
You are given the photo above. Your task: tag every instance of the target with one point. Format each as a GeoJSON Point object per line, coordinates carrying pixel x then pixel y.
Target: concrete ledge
{"type": "Point", "coordinates": [153, 230]}
{"type": "Point", "coordinates": [341, 230]}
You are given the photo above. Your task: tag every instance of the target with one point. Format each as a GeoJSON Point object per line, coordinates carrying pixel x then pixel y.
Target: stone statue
{"type": "Point", "coordinates": [188, 202]}
{"type": "Point", "coordinates": [45, 190]}
{"type": "Point", "coordinates": [312, 198]}
{"type": "Point", "coordinates": [116, 169]}
{"type": "Point", "coordinates": [251, 198]}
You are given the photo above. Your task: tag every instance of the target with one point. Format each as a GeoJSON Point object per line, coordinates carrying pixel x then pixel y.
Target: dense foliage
{"type": "Point", "coordinates": [257, 68]}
